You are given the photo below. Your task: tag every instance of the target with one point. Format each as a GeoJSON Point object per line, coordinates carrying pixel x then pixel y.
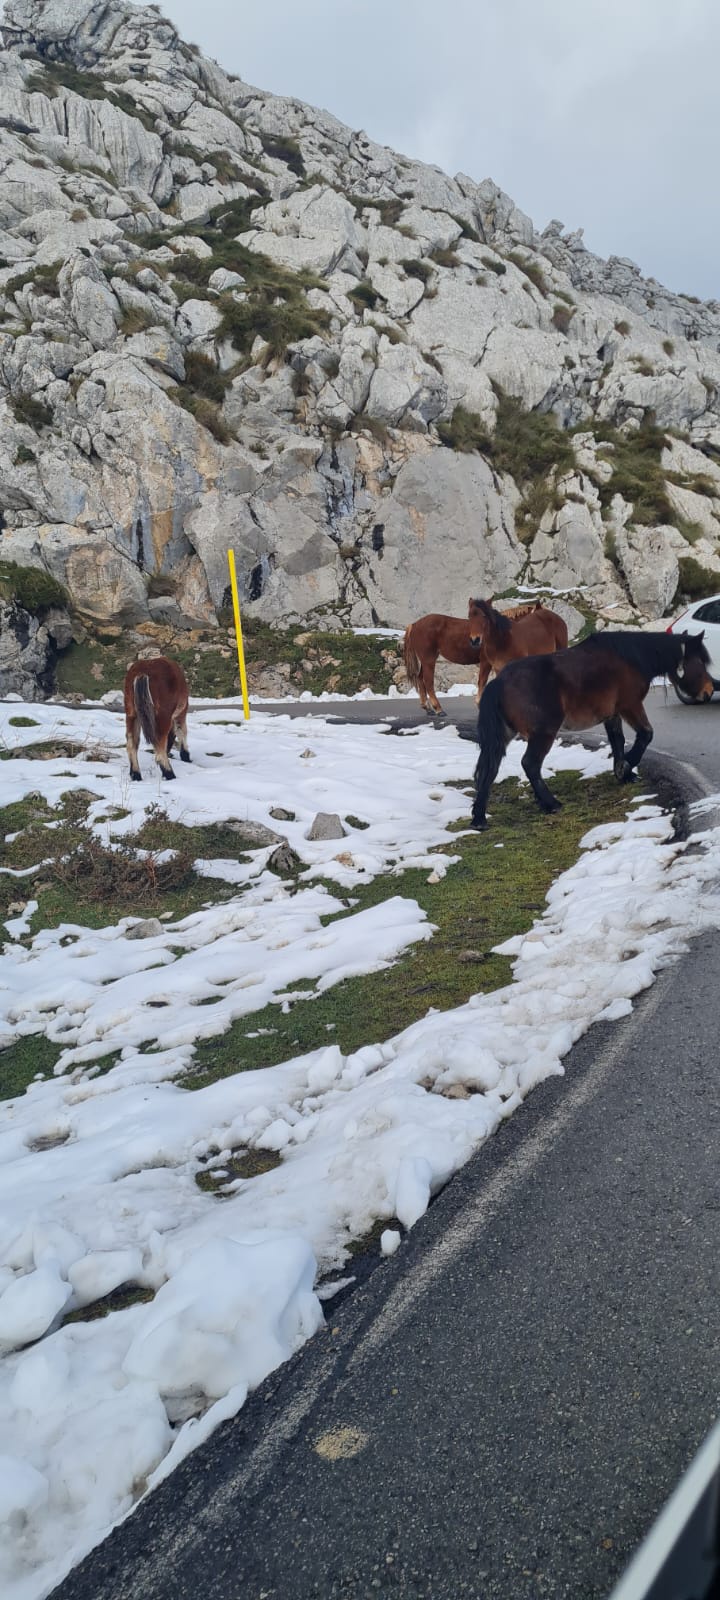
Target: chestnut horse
{"type": "Point", "coordinates": [604, 679]}
{"type": "Point", "coordinates": [156, 700]}
{"type": "Point", "coordinates": [504, 639]}
{"type": "Point", "coordinates": [449, 637]}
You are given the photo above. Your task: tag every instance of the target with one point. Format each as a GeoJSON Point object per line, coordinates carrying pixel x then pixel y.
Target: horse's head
{"type": "Point", "coordinates": [480, 617]}
{"type": "Point", "coordinates": [692, 670]}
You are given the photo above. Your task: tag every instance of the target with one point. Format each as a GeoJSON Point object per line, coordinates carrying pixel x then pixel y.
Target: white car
{"type": "Point", "coordinates": [702, 616]}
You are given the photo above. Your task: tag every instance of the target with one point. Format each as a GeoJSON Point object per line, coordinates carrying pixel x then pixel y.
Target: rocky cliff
{"type": "Point", "coordinates": [227, 319]}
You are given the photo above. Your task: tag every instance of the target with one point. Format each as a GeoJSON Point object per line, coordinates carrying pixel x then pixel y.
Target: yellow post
{"type": "Point", "coordinates": [238, 632]}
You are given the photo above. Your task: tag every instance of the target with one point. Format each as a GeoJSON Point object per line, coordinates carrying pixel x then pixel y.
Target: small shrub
{"type": "Point", "coordinates": [445, 258]}
{"type": "Point", "coordinates": [468, 232]}
{"type": "Point", "coordinates": [694, 580]}
{"type": "Point", "coordinates": [103, 876]}
{"type": "Point", "coordinates": [30, 587]}
{"type": "Point", "coordinates": [287, 150]}
{"type": "Point", "coordinates": [691, 531]}
{"type": "Point", "coordinates": [392, 334]}
{"type": "Point", "coordinates": [34, 413]}
{"type": "Point", "coordinates": [390, 210]}
{"type": "Point", "coordinates": [637, 474]}
{"type": "Point", "coordinates": [432, 360]}
{"type": "Point", "coordinates": [531, 269]}
{"type": "Point", "coordinates": [668, 347]}
{"type": "Point", "coordinates": [418, 269]}
{"type": "Point", "coordinates": [227, 170]}
{"type": "Point", "coordinates": [194, 269]}
{"type": "Point", "coordinates": [204, 411]}
{"type": "Point", "coordinates": [43, 279]}
{"type": "Point", "coordinates": [623, 328]}
{"type": "Point", "coordinates": [498, 267]}
{"type": "Point", "coordinates": [23, 455]}
{"type": "Point", "coordinates": [204, 378]}
{"type": "Point", "coordinates": [78, 214]}
{"type": "Point", "coordinates": [465, 432]}
{"type": "Point", "coordinates": [372, 425]}
{"type": "Point", "coordinates": [644, 368]}
{"type": "Point", "coordinates": [365, 297]}
{"type": "Point", "coordinates": [188, 152]}
{"type": "Point", "coordinates": [135, 320]}
{"type": "Point", "coordinates": [562, 317]}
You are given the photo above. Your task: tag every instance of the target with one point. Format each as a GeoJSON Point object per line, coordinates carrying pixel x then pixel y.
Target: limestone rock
{"type": "Point", "coordinates": [309, 436]}
{"type": "Point", "coordinates": [326, 825]}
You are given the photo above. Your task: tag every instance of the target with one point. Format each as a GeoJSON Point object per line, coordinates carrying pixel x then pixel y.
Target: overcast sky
{"type": "Point", "coordinates": [604, 113]}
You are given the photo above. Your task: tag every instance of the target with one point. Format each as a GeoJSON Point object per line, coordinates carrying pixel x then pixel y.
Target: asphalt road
{"type": "Point", "coordinates": [690, 733]}
{"type": "Point", "coordinates": [500, 1410]}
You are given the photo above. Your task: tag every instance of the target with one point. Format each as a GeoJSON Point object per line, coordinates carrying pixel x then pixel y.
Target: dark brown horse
{"type": "Point", "coordinates": [156, 700]}
{"type": "Point", "coordinates": [604, 679]}
{"type": "Point", "coordinates": [449, 637]}
{"type": "Point", "coordinates": [505, 639]}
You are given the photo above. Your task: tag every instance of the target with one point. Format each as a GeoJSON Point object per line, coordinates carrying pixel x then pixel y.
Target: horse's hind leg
{"type": "Point", "coordinates": [429, 682]}
{"type": "Point", "coordinates": [616, 737]}
{"type": "Point", "coordinates": [162, 751]}
{"type": "Point", "coordinates": [179, 730]}
{"type": "Point", "coordinates": [637, 720]}
{"type": "Point", "coordinates": [132, 739]}
{"type": "Point", "coordinates": [537, 748]}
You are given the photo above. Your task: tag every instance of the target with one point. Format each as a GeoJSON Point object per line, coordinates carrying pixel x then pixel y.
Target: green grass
{"type": "Point", "coordinates": [696, 581]}
{"type": "Point", "coordinates": [52, 76]}
{"type": "Point", "coordinates": [342, 661]}
{"type": "Point", "coordinates": [32, 413]}
{"type": "Point", "coordinates": [26, 1059]}
{"type": "Point", "coordinates": [637, 474]}
{"type": "Point", "coordinates": [527, 444]}
{"type": "Point", "coordinates": [30, 587]}
{"type": "Point", "coordinates": [85, 882]}
{"type": "Point", "coordinates": [487, 897]}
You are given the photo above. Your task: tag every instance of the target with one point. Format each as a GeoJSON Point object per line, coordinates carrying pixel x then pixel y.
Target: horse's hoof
{"type": "Point", "coordinates": [184, 755]}
{"type": "Point", "coordinates": [479, 824]}
{"type": "Point", "coordinates": [629, 775]}
{"type": "Point", "coordinates": [549, 808]}
{"type": "Point", "coordinates": [168, 773]}
{"type": "Point", "coordinates": [136, 776]}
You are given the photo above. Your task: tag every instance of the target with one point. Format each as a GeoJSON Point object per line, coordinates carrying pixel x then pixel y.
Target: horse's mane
{"type": "Point", "coordinates": [652, 653]}
{"type": "Point", "coordinates": [499, 621]}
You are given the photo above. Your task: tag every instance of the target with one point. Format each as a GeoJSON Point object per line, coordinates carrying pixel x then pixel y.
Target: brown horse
{"type": "Point", "coordinates": [604, 679]}
{"type": "Point", "coordinates": [156, 700]}
{"type": "Point", "coordinates": [504, 639]}
{"type": "Point", "coordinates": [449, 637]}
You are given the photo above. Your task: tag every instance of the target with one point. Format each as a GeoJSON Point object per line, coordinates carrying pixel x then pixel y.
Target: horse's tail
{"type": "Point", "coordinates": [413, 664]}
{"type": "Point", "coordinates": [145, 708]}
{"type": "Point", "coordinates": [493, 737]}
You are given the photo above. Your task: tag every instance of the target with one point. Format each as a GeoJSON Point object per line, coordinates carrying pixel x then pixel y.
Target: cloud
{"type": "Point", "coordinates": [601, 112]}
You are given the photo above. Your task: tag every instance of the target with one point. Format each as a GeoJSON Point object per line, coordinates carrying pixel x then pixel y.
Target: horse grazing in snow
{"type": "Point", "coordinates": [156, 700]}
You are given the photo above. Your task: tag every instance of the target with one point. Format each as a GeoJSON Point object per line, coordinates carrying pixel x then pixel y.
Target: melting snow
{"type": "Point", "coordinates": [98, 1173]}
